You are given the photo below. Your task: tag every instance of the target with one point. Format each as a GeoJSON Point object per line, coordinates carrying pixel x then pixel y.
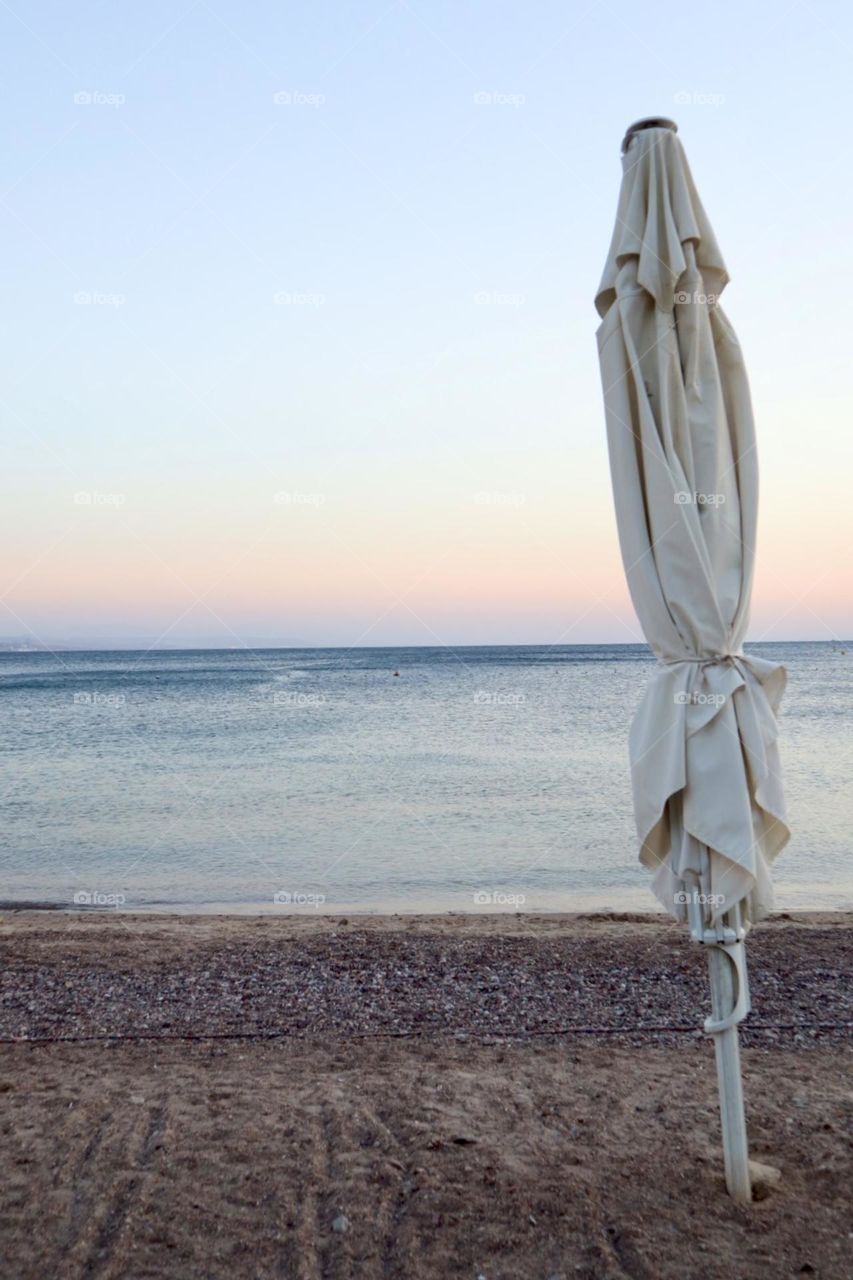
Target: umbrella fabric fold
{"type": "Point", "coordinates": [705, 768]}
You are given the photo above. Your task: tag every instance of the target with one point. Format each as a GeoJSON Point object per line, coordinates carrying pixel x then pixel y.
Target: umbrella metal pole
{"type": "Point", "coordinates": [729, 1003]}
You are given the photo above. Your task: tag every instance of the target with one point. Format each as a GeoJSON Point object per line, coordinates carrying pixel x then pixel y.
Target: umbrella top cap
{"type": "Point", "coordinates": [648, 122]}
{"type": "Point", "coordinates": [658, 216]}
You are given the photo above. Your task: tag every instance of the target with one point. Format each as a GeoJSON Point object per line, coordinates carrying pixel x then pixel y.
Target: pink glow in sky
{"type": "Point", "coordinates": [322, 366]}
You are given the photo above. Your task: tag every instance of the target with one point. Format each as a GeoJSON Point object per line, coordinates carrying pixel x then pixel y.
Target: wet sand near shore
{"type": "Point", "coordinates": [499, 1096]}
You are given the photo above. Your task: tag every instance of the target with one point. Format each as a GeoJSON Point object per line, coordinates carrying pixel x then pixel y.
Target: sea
{"type": "Point", "coordinates": [372, 780]}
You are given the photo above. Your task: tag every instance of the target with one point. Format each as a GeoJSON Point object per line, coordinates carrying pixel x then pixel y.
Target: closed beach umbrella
{"type": "Point", "coordinates": [706, 780]}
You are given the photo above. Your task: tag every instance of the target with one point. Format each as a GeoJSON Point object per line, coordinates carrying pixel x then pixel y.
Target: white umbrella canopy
{"type": "Point", "coordinates": [705, 770]}
{"type": "Point", "coordinates": [704, 758]}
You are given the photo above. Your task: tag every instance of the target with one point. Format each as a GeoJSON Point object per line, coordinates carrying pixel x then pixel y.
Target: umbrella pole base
{"type": "Point", "coordinates": [729, 1003]}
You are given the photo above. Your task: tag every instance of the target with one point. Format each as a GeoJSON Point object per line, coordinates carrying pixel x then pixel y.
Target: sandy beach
{"type": "Point", "coordinates": [496, 1096]}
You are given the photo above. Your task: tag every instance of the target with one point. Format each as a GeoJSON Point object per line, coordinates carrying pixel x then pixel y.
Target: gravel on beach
{"type": "Point", "coordinates": [635, 979]}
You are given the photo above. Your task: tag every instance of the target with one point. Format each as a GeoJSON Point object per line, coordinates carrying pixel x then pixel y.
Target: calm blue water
{"type": "Point", "coordinates": [478, 778]}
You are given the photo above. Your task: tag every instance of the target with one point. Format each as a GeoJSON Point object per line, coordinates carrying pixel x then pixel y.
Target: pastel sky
{"type": "Point", "coordinates": [298, 311]}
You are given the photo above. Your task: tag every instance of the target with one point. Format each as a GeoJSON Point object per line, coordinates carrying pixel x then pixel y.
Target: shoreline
{"type": "Point", "coordinates": [34, 912]}
{"type": "Point", "coordinates": [808, 899]}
